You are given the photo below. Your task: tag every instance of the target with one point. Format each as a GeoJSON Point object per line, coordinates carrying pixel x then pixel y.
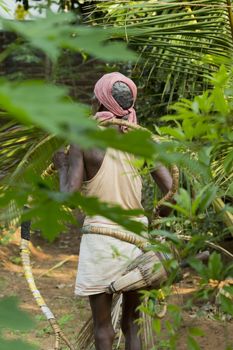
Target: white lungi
{"type": "Point", "coordinates": [102, 260]}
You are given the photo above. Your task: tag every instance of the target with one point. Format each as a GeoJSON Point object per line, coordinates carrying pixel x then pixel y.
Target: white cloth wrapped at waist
{"type": "Point", "coordinates": [102, 259]}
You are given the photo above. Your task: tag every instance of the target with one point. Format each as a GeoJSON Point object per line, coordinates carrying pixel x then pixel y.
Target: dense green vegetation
{"type": "Point", "coordinates": [177, 53]}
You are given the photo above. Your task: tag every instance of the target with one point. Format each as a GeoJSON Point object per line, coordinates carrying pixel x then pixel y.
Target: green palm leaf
{"type": "Point", "coordinates": [15, 141]}
{"type": "Point", "coordinates": [22, 147]}
{"type": "Point", "coordinates": [173, 38]}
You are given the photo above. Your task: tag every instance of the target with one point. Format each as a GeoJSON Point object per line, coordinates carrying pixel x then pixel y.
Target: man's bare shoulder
{"type": "Point", "coordinates": [94, 154]}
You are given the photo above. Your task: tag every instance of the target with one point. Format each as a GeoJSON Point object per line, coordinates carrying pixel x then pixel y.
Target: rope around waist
{"type": "Point", "coordinates": [140, 242]}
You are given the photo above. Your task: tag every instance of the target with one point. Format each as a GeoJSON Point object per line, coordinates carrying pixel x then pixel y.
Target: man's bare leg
{"type": "Point", "coordinates": [131, 301]}
{"type": "Point", "coordinates": [101, 312]}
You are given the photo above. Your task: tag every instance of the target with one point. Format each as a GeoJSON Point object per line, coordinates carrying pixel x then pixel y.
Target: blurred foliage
{"type": "Point", "coordinates": [204, 127]}
{"type": "Point", "coordinates": [11, 317]}
{"type": "Point", "coordinates": [30, 106]}
{"type": "Point", "coordinates": [38, 117]}
{"type": "Point", "coordinates": [41, 35]}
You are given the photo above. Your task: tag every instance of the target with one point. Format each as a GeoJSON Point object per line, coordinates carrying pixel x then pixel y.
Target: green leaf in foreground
{"type": "Point", "coordinates": [46, 106]}
{"type": "Point", "coordinates": [137, 142]}
{"type": "Point", "coordinates": [215, 266]}
{"type": "Point", "coordinates": [161, 233]}
{"type": "Point", "coordinates": [92, 206]}
{"type": "Point", "coordinates": [12, 317]}
{"type": "Point", "coordinates": [50, 214]}
{"type": "Point", "coordinates": [198, 266]}
{"type": "Point", "coordinates": [196, 332]}
{"type": "Point", "coordinates": [15, 345]}
{"type": "Point", "coordinates": [95, 42]}
{"type": "Point", "coordinates": [192, 344]}
{"type": "Point", "coordinates": [226, 304]}
{"type": "Point", "coordinates": [49, 209]}
{"type": "Point", "coordinates": [57, 31]}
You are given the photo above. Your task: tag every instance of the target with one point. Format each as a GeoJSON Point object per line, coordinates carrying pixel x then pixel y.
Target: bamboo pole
{"type": "Point", "coordinates": [25, 256]}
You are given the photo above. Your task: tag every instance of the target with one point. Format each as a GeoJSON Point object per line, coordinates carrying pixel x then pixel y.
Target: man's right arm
{"type": "Point", "coordinates": [70, 168]}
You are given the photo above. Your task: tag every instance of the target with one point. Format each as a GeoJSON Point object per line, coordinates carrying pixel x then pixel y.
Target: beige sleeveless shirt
{"type": "Point", "coordinates": [116, 182]}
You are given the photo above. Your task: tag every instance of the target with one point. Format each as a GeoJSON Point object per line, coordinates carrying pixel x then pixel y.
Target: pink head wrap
{"type": "Point", "coordinates": [103, 92]}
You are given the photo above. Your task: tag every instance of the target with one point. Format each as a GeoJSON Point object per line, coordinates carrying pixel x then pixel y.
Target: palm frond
{"type": "Point", "coordinates": [21, 145]}
{"type": "Point", "coordinates": [172, 38]}
{"type": "Point", "coordinates": [15, 141]}
{"type": "Point", "coordinates": [38, 157]}
{"type": "Point", "coordinates": [22, 148]}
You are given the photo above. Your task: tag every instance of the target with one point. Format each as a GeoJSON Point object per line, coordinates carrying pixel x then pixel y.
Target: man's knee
{"type": "Point", "coordinates": [104, 334]}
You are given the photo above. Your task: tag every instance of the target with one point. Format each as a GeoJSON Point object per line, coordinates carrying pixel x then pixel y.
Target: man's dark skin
{"type": "Point", "coordinates": [74, 168]}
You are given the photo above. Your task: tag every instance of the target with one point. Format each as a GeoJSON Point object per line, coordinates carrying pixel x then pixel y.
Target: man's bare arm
{"type": "Point", "coordinates": [70, 168]}
{"type": "Point", "coordinates": [163, 179]}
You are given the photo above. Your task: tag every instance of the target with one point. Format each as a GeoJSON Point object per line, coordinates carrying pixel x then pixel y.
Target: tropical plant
{"type": "Point", "coordinates": [13, 318]}
{"type": "Point", "coordinates": [180, 44]}
{"type": "Point", "coordinates": [20, 133]}
{"type": "Point", "coordinates": [197, 128]}
{"type": "Point", "coordinates": [176, 41]}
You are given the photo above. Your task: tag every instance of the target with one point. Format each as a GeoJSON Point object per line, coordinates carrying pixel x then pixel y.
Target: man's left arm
{"type": "Point", "coordinates": [163, 179]}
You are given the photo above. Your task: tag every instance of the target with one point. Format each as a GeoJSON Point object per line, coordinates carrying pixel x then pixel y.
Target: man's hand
{"type": "Point", "coordinates": [60, 159]}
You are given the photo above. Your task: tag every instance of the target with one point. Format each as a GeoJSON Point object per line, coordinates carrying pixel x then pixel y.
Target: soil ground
{"type": "Point", "coordinates": [57, 287]}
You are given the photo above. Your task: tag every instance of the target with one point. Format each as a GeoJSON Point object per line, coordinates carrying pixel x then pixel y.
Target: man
{"type": "Point", "coordinates": [112, 177]}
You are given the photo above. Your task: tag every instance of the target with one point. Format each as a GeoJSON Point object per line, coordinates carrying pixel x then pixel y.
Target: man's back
{"type": "Point", "coordinates": [117, 181]}
{"type": "Point", "coordinates": [112, 177]}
